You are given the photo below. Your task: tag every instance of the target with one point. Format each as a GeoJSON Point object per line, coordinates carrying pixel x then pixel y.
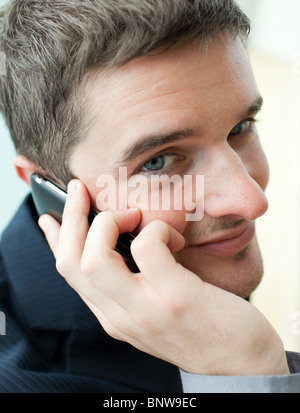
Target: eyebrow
{"type": "Point", "coordinates": [252, 109]}
{"type": "Point", "coordinates": [149, 142]}
{"type": "Point", "coordinates": [152, 141]}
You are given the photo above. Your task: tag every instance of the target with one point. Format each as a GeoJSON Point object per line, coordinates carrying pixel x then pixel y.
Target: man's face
{"type": "Point", "coordinates": [187, 112]}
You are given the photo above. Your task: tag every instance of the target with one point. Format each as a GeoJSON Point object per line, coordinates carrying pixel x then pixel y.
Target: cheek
{"type": "Point", "coordinates": [156, 203]}
{"type": "Point", "coordinates": [138, 198]}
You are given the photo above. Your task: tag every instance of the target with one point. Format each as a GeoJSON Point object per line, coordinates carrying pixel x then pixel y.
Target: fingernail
{"type": "Point", "coordinates": [73, 186]}
{"type": "Point", "coordinates": [42, 222]}
{"type": "Point", "coordinates": [133, 209]}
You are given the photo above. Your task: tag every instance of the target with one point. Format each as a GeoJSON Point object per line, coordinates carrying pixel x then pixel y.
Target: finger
{"type": "Point", "coordinates": [104, 266]}
{"type": "Point", "coordinates": [108, 225]}
{"type": "Point", "coordinates": [74, 228]}
{"type": "Point", "coordinates": [51, 229]}
{"type": "Point", "coordinates": [162, 240]}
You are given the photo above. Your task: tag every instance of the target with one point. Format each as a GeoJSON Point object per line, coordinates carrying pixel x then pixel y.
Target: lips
{"type": "Point", "coordinates": [229, 243]}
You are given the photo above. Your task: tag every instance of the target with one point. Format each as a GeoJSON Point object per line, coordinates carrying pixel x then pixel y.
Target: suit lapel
{"type": "Point", "coordinates": [45, 299]}
{"type": "Point", "coordinates": [46, 302]}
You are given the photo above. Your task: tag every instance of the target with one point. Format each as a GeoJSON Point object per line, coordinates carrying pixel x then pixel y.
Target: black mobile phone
{"type": "Point", "coordinates": [49, 199]}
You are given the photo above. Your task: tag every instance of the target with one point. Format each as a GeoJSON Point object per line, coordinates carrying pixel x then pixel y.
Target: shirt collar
{"type": "Point", "coordinates": [44, 297]}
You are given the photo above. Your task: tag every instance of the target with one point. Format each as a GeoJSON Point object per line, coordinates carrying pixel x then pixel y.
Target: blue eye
{"type": "Point", "coordinates": [158, 162]}
{"type": "Point", "coordinates": [241, 127]}
{"type": "Point", "coordinates": [154, 164]}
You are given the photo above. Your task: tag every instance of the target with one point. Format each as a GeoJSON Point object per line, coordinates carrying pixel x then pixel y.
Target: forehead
{"type": "Point", "coordinates": [184, 87]}
{"type": "Point", "coordinates": [151, 76]}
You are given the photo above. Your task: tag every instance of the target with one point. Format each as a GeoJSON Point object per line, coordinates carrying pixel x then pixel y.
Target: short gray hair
{"type": "Point", "coordinates": [50, 45]}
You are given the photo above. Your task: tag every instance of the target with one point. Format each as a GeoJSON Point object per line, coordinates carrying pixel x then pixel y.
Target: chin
{"type": "Point", "coordinates": [239, 274]}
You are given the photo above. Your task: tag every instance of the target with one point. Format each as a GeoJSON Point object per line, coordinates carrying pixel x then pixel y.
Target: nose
{"type": "Point", "coordinates": [231, 190]}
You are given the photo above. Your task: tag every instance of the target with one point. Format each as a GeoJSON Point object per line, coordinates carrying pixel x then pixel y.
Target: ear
{"type": "Point", "coordinates": [25, 168]}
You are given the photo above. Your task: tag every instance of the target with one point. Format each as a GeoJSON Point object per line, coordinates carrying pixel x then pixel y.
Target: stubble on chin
{"type": "Point", "coordinates": [250, 279]}
{"type": "Point", "coordinates": [240, 274]}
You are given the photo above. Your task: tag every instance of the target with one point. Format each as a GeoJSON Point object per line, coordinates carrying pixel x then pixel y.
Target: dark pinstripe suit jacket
{"type": "Point", "coordinates": [53, 343]}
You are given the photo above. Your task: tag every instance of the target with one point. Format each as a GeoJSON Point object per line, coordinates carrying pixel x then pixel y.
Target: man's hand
{"type": "Point", "coordinates": [164, 310]}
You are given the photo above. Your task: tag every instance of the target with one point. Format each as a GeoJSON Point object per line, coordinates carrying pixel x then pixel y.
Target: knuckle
{"type": "Point", "coordinates": [150, 327]}
{"type": "Point", "coordinates": [97, 264]}
{"type": "Point", "coordinates": [62, 267]}
{"type": "Point", "coordinates": [173, 308]}
{"type": "Point", "coordinates": [145, 322]}
{"type": "Point", "coordinates": [88, 265]}
{"type": "Point", "coordinates": [112, 331]}
{"type": "Point", "coordinates": [168, 308]}
{"type": "Point", "coordinates": [171, 305]}
{"type": "Point", "coordinates": [110, 328]}
{"type": "Point", "coordinates": [70, 212]}
{"type": "Point", "coordinates": [139, 246]}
